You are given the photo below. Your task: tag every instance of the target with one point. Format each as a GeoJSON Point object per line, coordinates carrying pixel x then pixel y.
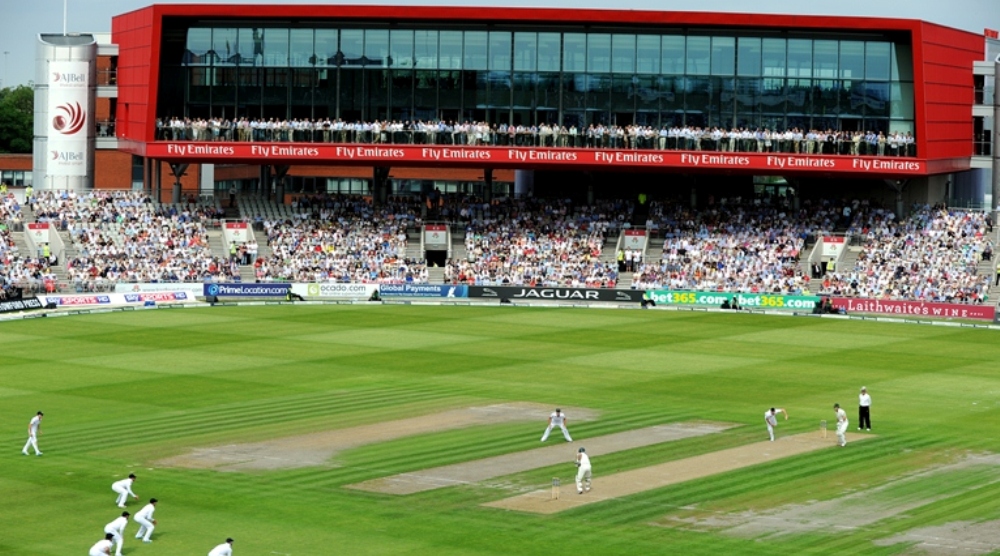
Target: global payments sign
{"type": "Point", "coordinates": [247, 290]}
{"type": "Point", "coordinates": [422, 290]}
{"type": "Point", "coordinates": [745, 300]}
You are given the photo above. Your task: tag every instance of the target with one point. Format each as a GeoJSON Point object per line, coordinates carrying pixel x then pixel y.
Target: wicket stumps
{"type": "Point", "coordinates": [555, 488]}
{"type": "Point", "coordinates": [822, 428]}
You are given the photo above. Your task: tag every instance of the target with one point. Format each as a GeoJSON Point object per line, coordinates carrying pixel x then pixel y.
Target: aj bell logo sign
{"type": "Point", "coordinates": [69, 78]}
{"type": "Point", "coordinates": [67, 156]}
{"type": "Point", "coordinates": [69, 119]}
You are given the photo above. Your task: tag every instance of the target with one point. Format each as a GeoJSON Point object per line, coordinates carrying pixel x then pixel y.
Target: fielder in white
{"type": "Point", "coordinates": [771, 420]}
{"type": "Point", "coordinates": [557, 419]}
{"type": "Point", "coordinates": [145, 520]}
{"type": "Point", "coordinates": [33, 426]}
{"type": "Point", "coordinates": [224, 549]}
{"type": "Point", "coordinates": [102, 547]}
{"type": "Point", "coordinates": [117, 529]}
{"type": "Point", "coordinates": [582, 471]}
{"type": "Point", "coordinates": [124, 490]}
{"type": "Point", "coordinates": [841, 424]}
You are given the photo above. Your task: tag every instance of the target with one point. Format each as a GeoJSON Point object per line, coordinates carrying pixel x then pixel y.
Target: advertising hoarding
{"type": "Point", "coordinates": [745, 300]}
{"type": "Point", "coordinates": [556, 294]}
{"type": "Point", "coordinates": [914, 308]}
{"type": "Point", "coordinates": [247, 290]}
{"type": "Point", "coordinates": [69, 118]}
{"type": "Point", "coordinates": [422, 290]}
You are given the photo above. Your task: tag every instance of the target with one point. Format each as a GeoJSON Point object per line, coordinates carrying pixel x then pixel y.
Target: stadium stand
{"type": "Point", "coordinates": [123, 236]}
{"type": "Point", "coordinates": [342, 239]}
{"type": "Point", "coordinates": [747, 245]}
{"type": "Point", "coordinates": [935, 254]}
{"type": "Point", "coordinates": [529, 242]}
{"type": "Point", "coordinates": [751, 247]}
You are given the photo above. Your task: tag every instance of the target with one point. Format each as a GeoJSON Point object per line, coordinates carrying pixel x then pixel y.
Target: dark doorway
{"type": "Point", "coordinates": [437, 258]}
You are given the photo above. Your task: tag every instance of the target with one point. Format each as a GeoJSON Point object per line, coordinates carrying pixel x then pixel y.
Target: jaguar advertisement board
{"type": "Point", "coordinates": [556, 294]}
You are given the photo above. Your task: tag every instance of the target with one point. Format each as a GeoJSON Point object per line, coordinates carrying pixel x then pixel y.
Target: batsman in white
{"type": "Point", "coordinates": [145, 520]}
{"type": "Point", "coordinates": [124, 490]}
{"type": "Point", "coordinates": [771, 419]}
{"type": "Point", "coordinates": [557, 419]}
{"type": "Point", "coordinates": [224, 549]}
{"type": "Point", "coordinates": [582, 471]}
{"type": "Point", "coordinates": [117, 529]}
{"type": "Point", "coordinates": [33, 426]}
{"type": "Point", "coordinates": [102, 547]}
{"type": "Point", "coordinates": [841, 424]}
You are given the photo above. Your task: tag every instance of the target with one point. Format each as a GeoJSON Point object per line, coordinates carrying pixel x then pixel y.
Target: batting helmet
{"type": "Point", "coordinates": [582, 449]}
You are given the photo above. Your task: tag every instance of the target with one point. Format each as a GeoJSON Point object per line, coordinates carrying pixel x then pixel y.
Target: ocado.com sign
{"type": "Point", "coordinates": [334, 290]}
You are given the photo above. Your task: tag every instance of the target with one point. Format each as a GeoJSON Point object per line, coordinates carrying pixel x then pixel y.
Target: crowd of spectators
{"type": "Point", "coordinates": [343, 239]}
{"type": "Point", "coordinates": [123, 236]}
{"type": "Point", "coordinates": [66, 208]}
{"type": "Point", "coordinates": [599, 136]}
{"type": "Point", "coordinates": [533, 242]}
{"type": "Point", "coordinates": [11, 214]}
{"type": "Point", "coordinates": [21, 271]}
{"type": "Point", "coordinates": [933, 255]}
{"type": "Point", "coordinates": [751, 247]}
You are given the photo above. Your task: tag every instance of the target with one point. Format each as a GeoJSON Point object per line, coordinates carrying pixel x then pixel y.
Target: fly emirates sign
{"type": "Point", "coordinates": [518, 157]}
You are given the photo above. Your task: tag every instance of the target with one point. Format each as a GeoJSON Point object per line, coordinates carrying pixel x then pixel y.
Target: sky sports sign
{"type": "Point", "coordinates": [745, 300]}
{"type": "Point", "coordinates": [69, 119]}
{"type": "Point", "coordinates": [247, 290]}
{"type": "Point", "coordinates": [422, 290]}
{"type": "Point", "coordinates": [161, 297]}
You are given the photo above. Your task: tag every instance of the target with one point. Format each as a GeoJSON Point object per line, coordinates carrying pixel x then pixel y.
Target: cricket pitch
{"type": "Point", "coordinates": [658, 476]}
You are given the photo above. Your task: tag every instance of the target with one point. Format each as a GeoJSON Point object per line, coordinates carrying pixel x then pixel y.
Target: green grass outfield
{"type": "Point", "coordinates": [121, 390]}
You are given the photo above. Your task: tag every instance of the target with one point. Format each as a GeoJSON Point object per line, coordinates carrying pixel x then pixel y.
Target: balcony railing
{"type": "Point", "coordinates": [982, 147]}
{"type": "Point", "coordinates": [105, 128]}
{"type": "Point", "coordinates": [984, 96]}
{"type": "Point", "coordinates": [107, 77]}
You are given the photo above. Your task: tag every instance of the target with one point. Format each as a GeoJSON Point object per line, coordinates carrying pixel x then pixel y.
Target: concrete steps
{"type": "Point", "coordinates": [458, 250]}
{"type": "Point", "coordinates": [850, 258]}
{"type": "Point", "coordinates": [22, 244]}
{"type": "Point", "coordinates": [989, 268]}
{"type": "Point", "coordinates": [608, 253]}
{"type": "Point", "coordinates": [218, 246]}
{"type": "Point", "coordinates": [413, 251]}
{"type": "Point", "coordinates": [435, 275]}
{"type": "Point", "coordinates": [247, 275]}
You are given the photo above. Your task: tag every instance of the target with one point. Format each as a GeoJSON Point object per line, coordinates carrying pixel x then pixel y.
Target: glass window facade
{"type": "Point", "coordinates": [566, 75]}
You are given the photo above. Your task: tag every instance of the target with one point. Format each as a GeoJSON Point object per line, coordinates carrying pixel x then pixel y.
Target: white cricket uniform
{"type": "Point", "coordinates": [772, 421]}
{"type": "Point", "coordinates": [33, 436]}
{"type": "Point", "coordinates": [557, 420]}
{"type": "Point", "coordinates": [583, 472]}
{"type": "Point", "coordinates": [102, 548]}
{"type": "Point", "coordinates": [117, 528]}
{"type": "Point", "coordinates": [124, 490]}
{"type": "Point", "coordinates": [145, 520]}
{"type": "Point", "coordinates": [224, 549]}
{"type": "Point", "coordinates": [842, 426]}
